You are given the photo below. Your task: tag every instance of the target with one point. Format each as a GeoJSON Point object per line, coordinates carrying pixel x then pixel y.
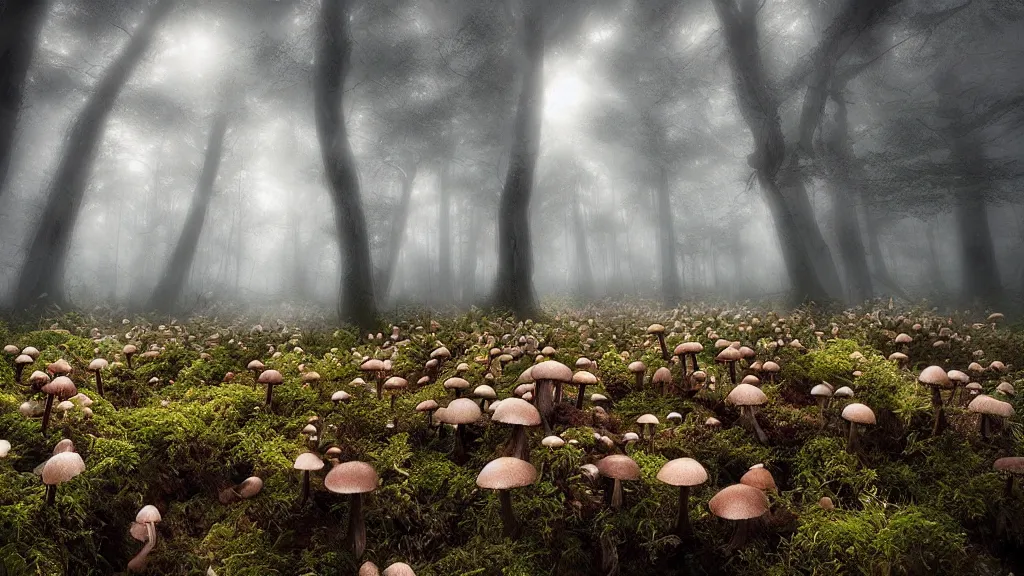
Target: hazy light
{"type": "Point", "coordinates": [564, 93]}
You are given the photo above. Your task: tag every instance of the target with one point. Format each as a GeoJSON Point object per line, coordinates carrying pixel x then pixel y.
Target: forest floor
{"type": "Point", "coordinates": [184, 424]}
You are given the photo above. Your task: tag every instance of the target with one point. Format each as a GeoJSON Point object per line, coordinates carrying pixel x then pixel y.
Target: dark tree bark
{"type": "Point", "coordinates": [20, 22]}
{"type": "Point", "coordinates": [399, 223]}
{"type": "Point", "coordinates": [514, 286]}
{"type": "Point", "coordinates": [357, 303]}
{"type": "Point", "coordinates": [168, 291]}
{"type": "Point", "coordinates": [584, 269]}
{"type": "Point", "coordinates": [43, 270]}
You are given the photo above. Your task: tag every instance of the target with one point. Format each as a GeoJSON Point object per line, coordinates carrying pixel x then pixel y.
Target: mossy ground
{"type": "Point", "coordinates": [907, 503]}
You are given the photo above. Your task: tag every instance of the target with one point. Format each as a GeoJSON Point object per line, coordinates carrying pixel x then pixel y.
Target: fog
{"type": "Point", "coordinates": [359, 155]}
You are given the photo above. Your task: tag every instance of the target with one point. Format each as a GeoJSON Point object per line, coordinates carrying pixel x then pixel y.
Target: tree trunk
{"type": "Point", "coordinates": [444, 234]}
{"type": "Point", "coordinates": [934, 266]}
{"type": "Point", "coordinates": [357, 301]}
{"type": "Point", "coordinates": [670, 290]}
{"type": "Point", "coordinates": [514, 286]}
{"type": "Point", "coordinates": [169, 290]}
{"type": "Point", "coordinates": [586, 273]}
{"type": "Point", "coordinates": [20, 22]}
{"type": "Point", "coordinates": [399, 223]}
{"type": "Point", "coordinates": [467, 271]}
{"type": "Point", "coordinates": [981, 280]}
{"type": "Point", "coordinates": [43, 270]}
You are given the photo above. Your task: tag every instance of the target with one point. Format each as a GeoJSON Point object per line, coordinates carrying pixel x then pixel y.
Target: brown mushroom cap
{"type": "Point", "coordinates": [728, 354]}
{"type": "Point", "coordinates": [858, 414]}
{"type": "Point", "coordinates": [822, 390]}
{"type": "Point", "coordinates": [461, 411]}
{"type": "Point", "coordinates": [351, 478]}
{"type": "Point", "coordinates": [456, 383]}
{"type": "Point", "coordinates": [255, 365]}
{"type": "Point", "coordinates": [770, 366]}
{"type": "Point", "coordinates": [64, 445]}
{"type": "Point", "coordinates": [1011, 464]}
{"type": "Point", "coordinates": [310, 377]}
{"type": "Point", "coordinates": [62, 467]}
{"type": "Point", "coordinates": [399, 569]}
{"type": "Point", "coordinates": [484, 391]}
{"type": "Point", "coordinates": [759, 477]}
{"type": "Point", "coordinates": [903, 338]}
{"type": "Point", "coordinates": [662, 376]}
{"type": "Point", "coordinates": [23, 359]}
{"type": "Point", "coordinates": [551, 370]}
{"type": "Point", "coordinates": [683, 472]}
{"type": "Point", "coordinates": [129, 349]}
{"type": "Point", "coordinates": [505, 473]}
{"type": "Point", "coordinates": [98, 364]}
{"type": "Point", "coordinates": [271, 377]}
{"type": "Point", "coordinates": [250, 487]}
{"type": "Point", "coordinates": [369, 569]}
{"type": "Point", "coordinates": [983, 404]}
{"type": "Point", "coordinates": [372, 365]}
{"type": "Point", "coordinates": [526, 377]}
{"type": "Point", "coordinates": [441, 352]}
{"type": "Point", "coordinates": [689, 348]}
{"type": "Point", "coordinates": [1006, 388]}
{"type": "Point", "coordinates": [396, 383]}
{"type": "Point", "coordinates": [746, 395]}
{"type": "Point", "coordinates": [637, 366]}
{"type": "Point", "coordinates": [426, 406]}
{"type": "Point", "coordinates": [655, 329]}
{"type": "Point", "coordinates": [958, 376]}
{"type": "Point", "coordinates": [934, 376]}
{"type": "Point", "coordinates": [59, 368]}
{"type": "Point", "coordinates": [61, 387]}
{"type": "Point", "coordinates": [751, 379]}
{"type": "Point", "coordinates": [739, 502]}
{"type": "Point", "coordinates": [619, 467]}
{"type": "Point", "coordinates": [516, 411]}
{"type": "Point", "coordinates": [308, 461]}
{"type": "Point", "coordinates": [584, 377]}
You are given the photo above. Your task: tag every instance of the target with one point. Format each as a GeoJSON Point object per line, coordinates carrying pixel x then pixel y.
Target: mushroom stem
{"type": "Point", "coordinates": [579, 397]}
{"type": "Point", "coordinates": [519, 445]}
{"type": "Point", "coordinates": [508, 518]}
{"type": "Point", "coordinates": [138, 562]}
{"type": "Point", "coordinates": [664, 349]}
{"type": "Point", "coordinates": [639, 384]}
{"type": "Point", "coordinates": [270, 394]}
{"type": "Point", "coordinates": [616, 494]}
{"type": "Point", "coordinates": [430, 419]}
{"type": "Point", "coordinates": [542, 399]}
{"type": "Point", "coordinates": [46, 412]}
{"type": "Point", "coordinates": [99, 383]}
{"type": "Point", "coordinates": [393, 402]}
{"type": "Point", "coordinates": [694, 356]}
{"type": "Point", "coordinates": [51, 493]}
{"type": "Point", "coordinates": [18, 369]}
{"type": "Point", "coordinates": [741, 534]}
{"type": "Point", "coordinates": [1008, 490]}
{"type": "Point", "coordinates": [940, 414]}
{"type": "Point", "coordinates": [380, 385]}
{"type": "Point", "coordinates": [683, 529]}
{"type": "Point", "coordinates": [732, 371]}
{"type": "Point", "coordinates": [305, 488]}
{"type": "Point", "coordinates": [128, 360]}
{"type": "Point", "coordinates": [851, 441]}
{"type": "Point", "coordinates": [356, 526]}
{"type": "Point", "coordinates": [821, 405]}
{"type": "Point", "coordinates": [460, 450]}
{"type": "Point", "coordinates": [749, 421]}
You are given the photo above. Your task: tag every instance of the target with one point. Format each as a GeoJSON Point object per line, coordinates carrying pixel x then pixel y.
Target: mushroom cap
{"type": "Point", "coordinates": [826, 503]}
{"type": "Point", "coordinates": [585, 378]}
{"type": "Point", "coordinates": [662, 375]}
{"type": "Point", "coordinates": [129, 349]}
{"type": "Point", "coordinates": [689, 348]}
{"type": "Point", "coordinates": [484, 391]}
{"type": "Point", "coordinates": [630, 437]}
{"type": "Point", "coordinates": [64, 445]}
{"type": "Point", "coordinates": [551, 370]}
{"type": "Point", "coordinates": [399, 569]}
{"type": "Point", "coordinates": [739, 502]}
{"type": "Point", "coordinates": [250, 487]}
{"type": "Point", "coordinates": [441, 352]}
{"type": "Point", "coordinates": [62, 467]}
{"type": "Point", "coordinates": [619, 467]}
{"type": "Point", "coordinates": [958, 376]}
{"type": "Point", "coordinates": [770, 366]}
{"type": "Point", "coordinates": [516, 411]}
{"type": "Point", "coordinates": [461, 411]}
{"type": "Point", "coordinates": [139, 531]}
{"type": "Point", "coordinates": [1006, 388]}
{"type": "Point", "coordinates": [12, 350]}
{"type": "Point", "coordinates": [822, 390]}
{"type": "Point", "coordinates": [38, 378]}
{"type": "Point", "coordinates": [308, 461]}
{"type": "Point", "coordinates": [898, 356]}
{"type": "Point", "coordinates": [340, 396]}
{"type": "Point", "coordinates": [655, 329]}
{"type": "Point", "coordinates": [369, 569]}
{"type": "Point", "coordinates": [712, 421]}
{"type": "Point", "coordinates": [637, 366]}
{"type": "Point", "coordinates": [396, 383]}
{"type": "Point", "coordinates": [583, 362]}
{"type": "Point", "coordinates": [598, 398]}
{"type": "Point", "coordinates": [351, 478]}
{"type": "Point", "coordinates": [98, 364]}
{"type": "Point", "coordinates": [65, 405]}
{"type": "Point", "coordinates": [975, 367]}
{"type": "Point", "coordinates": [648, 419]}
{"type": "Point", "coordinates": [5, 448]}
{"type": "Point", "coordinates": [683, 472]}
{"type": "Point", "coordinates": [310, 377]}
{"type": "Point", "coordinates": [759, 477]}
{"type": "Point", "coordinates": [903, 338]}
{"type": "Point", "coordinates": [858, 414]}
{"type": "Point", "coordinates": [426, 406]}
{"type": "Point", "coordinates": [255, 365]}
{"type": "Point", "coordinates": [456, 383]}
{"type": "Point", "coordinates": [271, 377]}
{"type": "Point", "coordinates": [746, 395]}
{"type": "Point", "coordinates": [148, 515]}
{"type": "Point", "coordinates": [61, 387]}
{"type": "Point", "coordinates": [934, 376]}
{"type": "Point", "coordinates": [526, 377]}
{"type": "Point", "coordinates": [973, 386]}
{"type": "Point", "coordinates": [751, 379]}
{"type": "Point", "coordinates": [983, 404]}
{"type": "Point", "coordinates": [844, 392]}
{"type": "Point", "coordinates": [372, 365]}
{"type": "Point", "coordinates": [505, 473]}
{"type": "Point", "coordinates": [722, 343]}
{"type": "Point", "coordinates": [552, 442]}
{"type": "Point", "coordinates": [1011, 464]}
{"type": "Point", "coordinates": [674, 416]}
{"type": "Point", "coordinates": [728, 354]}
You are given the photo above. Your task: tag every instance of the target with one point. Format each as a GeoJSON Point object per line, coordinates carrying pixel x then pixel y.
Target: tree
{"type": "Point", "coordinates": [514, 286]}
{"type": "Point", "coordinates": [168, 292]}
{"type": "Point", "coordinates": [357, 302]}
{"type": "Point", "coordinates": [20, 22]}
{"type": "Point", "coordinates": [42, 275]}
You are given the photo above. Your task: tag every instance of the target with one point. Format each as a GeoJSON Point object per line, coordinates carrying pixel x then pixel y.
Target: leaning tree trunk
{"type": "Point", "coordinates": [43, 271]}
{"type": "Point", "coordinates": [399, 222]}
{"type": "Point", "coordinates": [514, 286]}
{"type": "Point", "coordinates": [168, 291]}
{"type": "Point", "coordinates": [357, 303]}
{"type": "Point", "coordinates": [579, 228]}
{"type": "Point", "coordinates": [20, 22]}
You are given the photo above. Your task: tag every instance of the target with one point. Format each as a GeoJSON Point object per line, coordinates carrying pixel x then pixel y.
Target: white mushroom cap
{"type": "Point", "coordinates": [683, 472]}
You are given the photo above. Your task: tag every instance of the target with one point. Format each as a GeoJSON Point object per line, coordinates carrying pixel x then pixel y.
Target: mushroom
{"type": "Point", "coordinates": [743, 504]}
{"type": "Point", "coordinates": [486, 394]}
{"type": "Point", "coordinates": [428, 406]}
{"type": "Point", "coordinates": [356, 479]}
{"type": "Point", "coordinates": [61, 387]}
{"type": "Point", "coordinates": [456, 385]}
{"type": "Point", "coordinates": [637, 368]}
{"type": "Point", "coordinates": [988, 407]}
{"type": "Point", "coordinates": [5, 448]}
{"type": "Point", "coordinates": [129, 350]}
{"type": "Point", "coordinates": [369, 569]}
{"type": "Point", "coordinates": [771, 368]}
{"type": "Point", "coordinates": [684, 473]}
{"type": "Point", "coordinates": [376, 367]}
{"type": "Point", "coordinates": [648, 421]}
{"type": "Point", "coordinates": [936, 378]}
{"type": "Point", "coordinates": [340, 396]}
{"type": "Point", "coordinates": [618, 467]}
{"type": "Point", "coordinates": [520, 414]}
{"type": "Point", "coordinates": [256, 367]}
{"type": "Point", "coordinates": [460, 412]}
{"type": "Point", "coordinates": [307, 462]}
{"type": "Point", "coordinates": [20, 362]}
{"type": "Point", "coordinates": [548, 375]}
{"type": "Point", "coordinates": [147, 517]}
{"type": "Point", "coordinates": [730, 356]}
{"type": "Point", "coordinates": [582, 379]}
{"type": "Point", "coordinates": [855, 414]}
{"type": "Point", "coordinates": [659, 331]}
{"type": "Point", "coordinates": [662, 380]}
{"type": "Point", "coordinates": [399, 569]}
{"type": "Point", "coordinates": [271, 378]}
{"type": "Point", "coordinates": [822, 393]}
{"type": "Point", "coordinates": [503, 474]}
{"type": "Point", "coordinates": [60, 468]}
{"type": "Point", "coordinates": [395, 385]}
{"type": "Point", "coordinates": [97, 366]}
{"type": "Point", "coordinates": [759, 477]}
{"type": "Point", "coordinates": [956, 379]}
{"type": "Point", "coordinates": [690, 349]}
{"type": "Point", "coordinates": [748, 398]}
{"type": "Point", "coordinates": [1012, 466]}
